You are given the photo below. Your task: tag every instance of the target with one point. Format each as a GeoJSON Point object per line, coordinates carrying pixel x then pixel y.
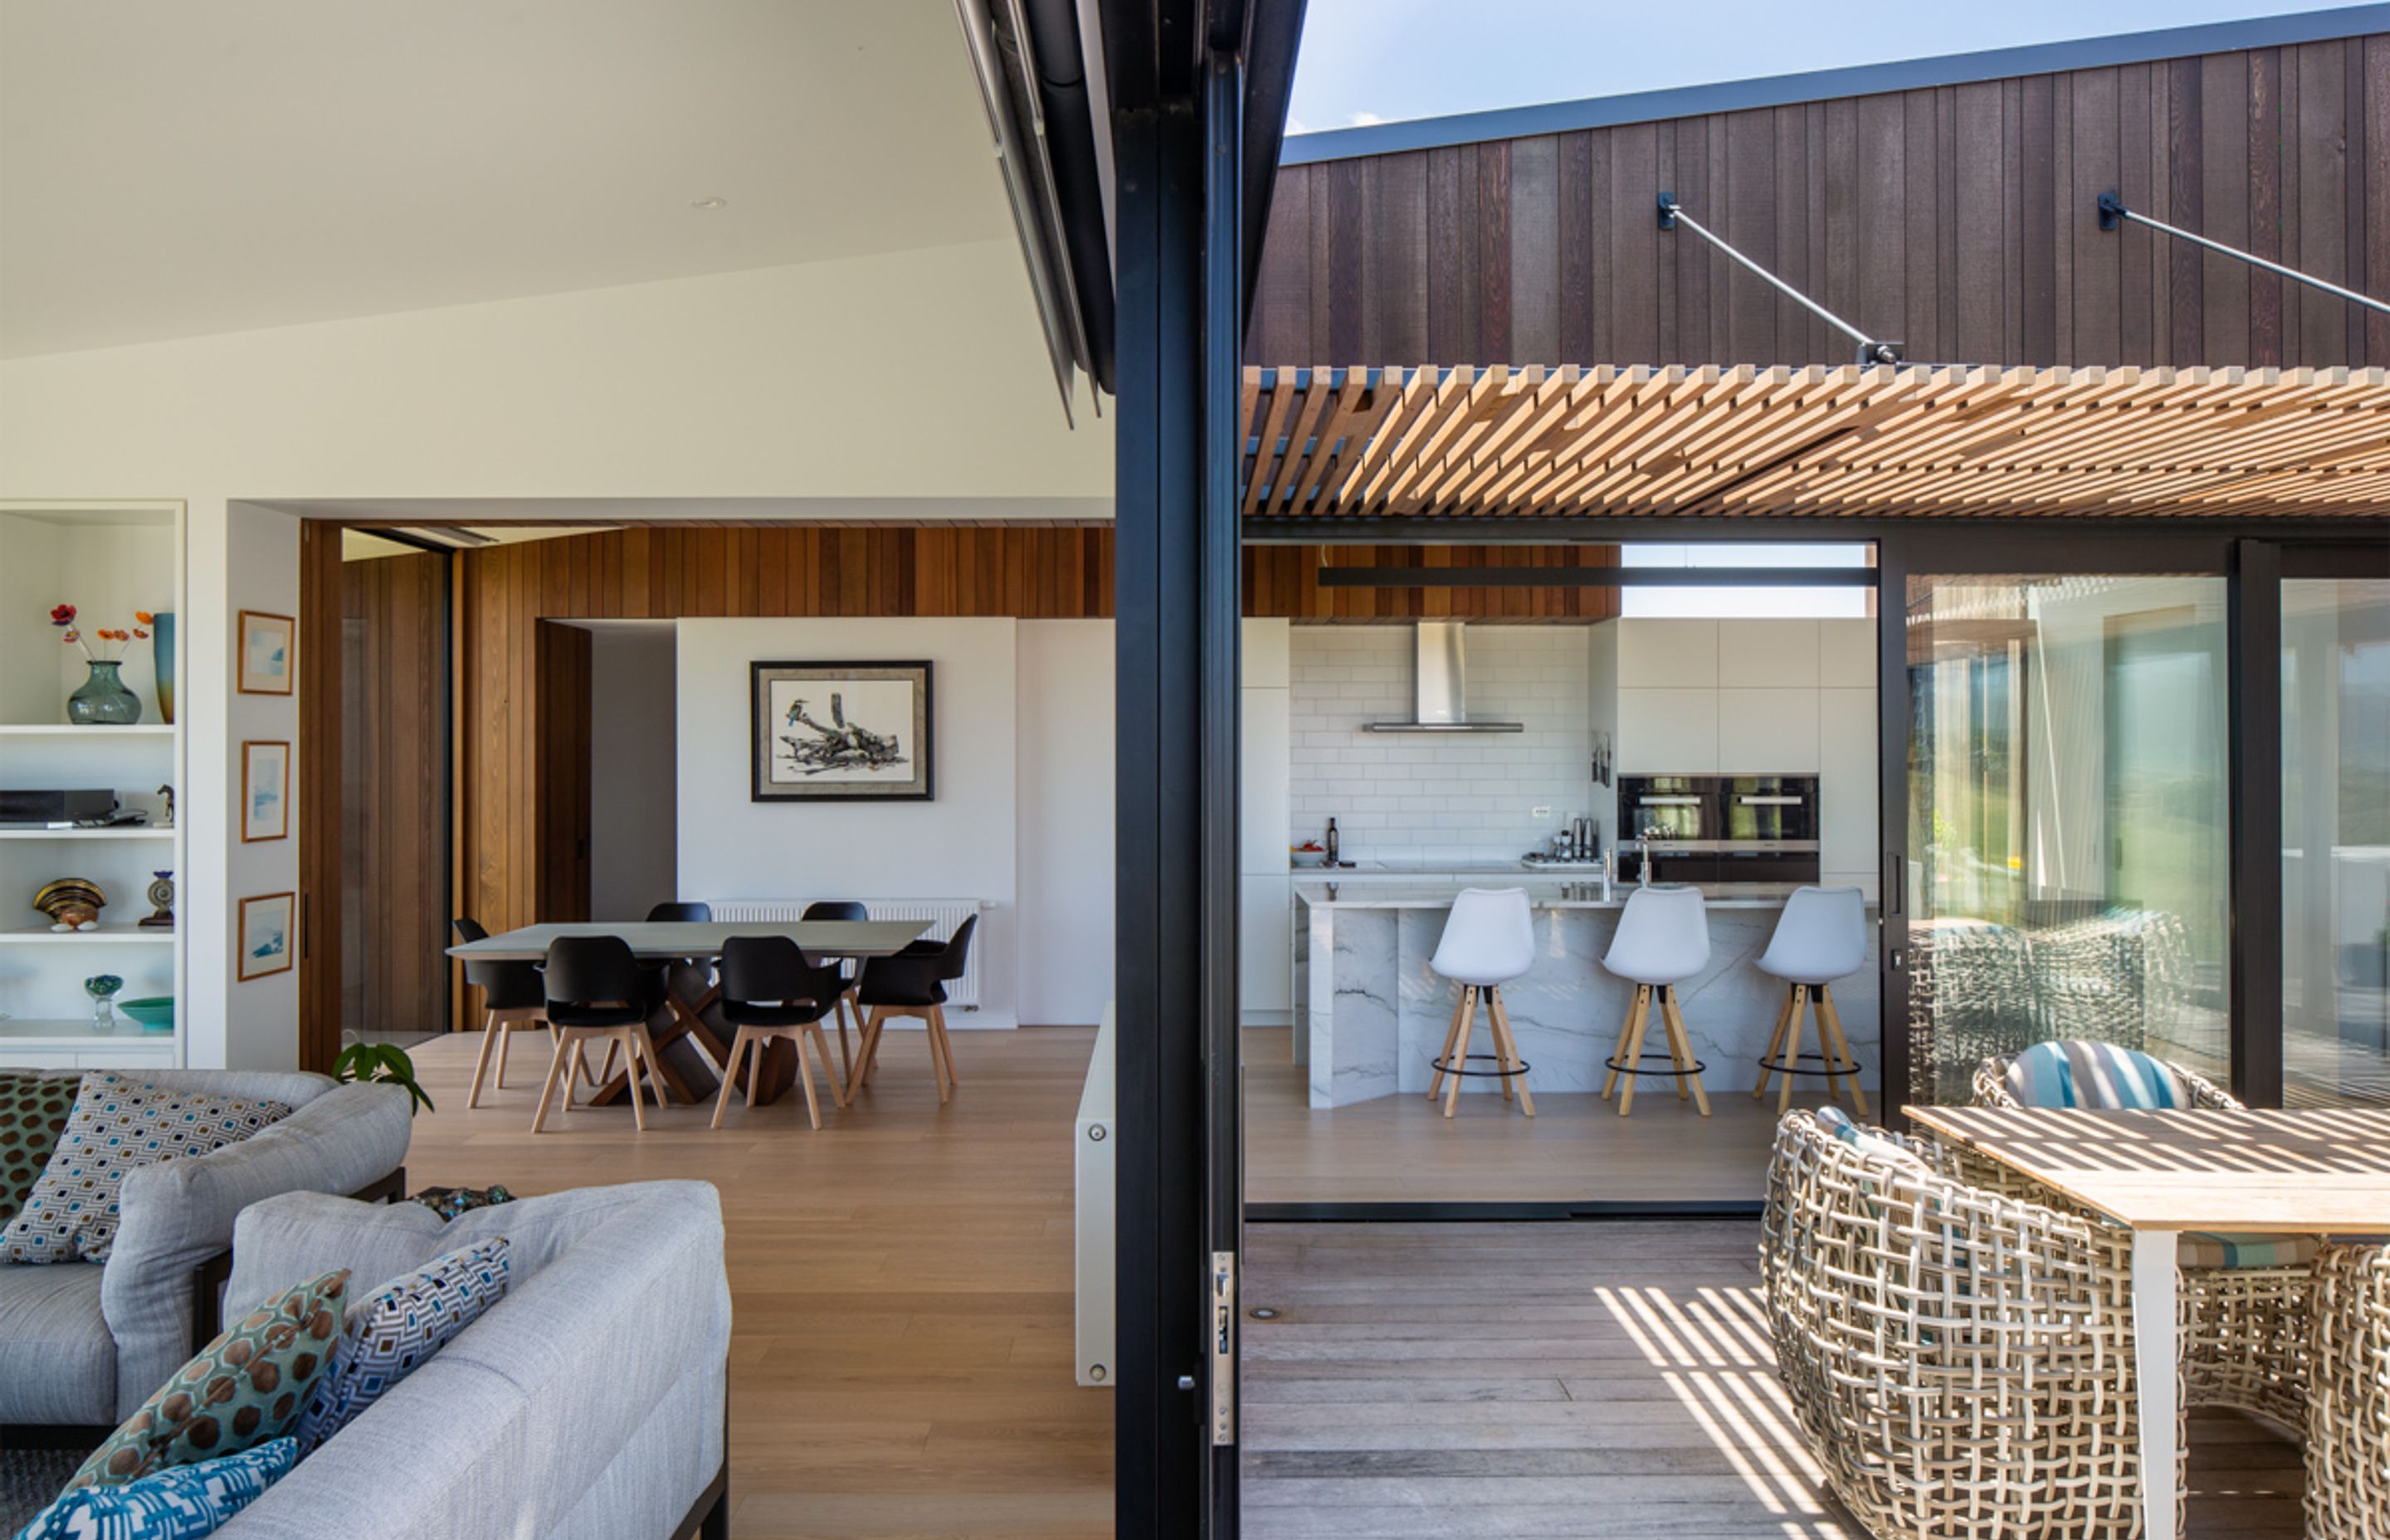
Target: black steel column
{"type": "Point", "coordinates": [1177, 605]}
{"type": "Point", "coordinates": [2253, 666]}
{"type": "Point", "coordinates": [1893, 899]}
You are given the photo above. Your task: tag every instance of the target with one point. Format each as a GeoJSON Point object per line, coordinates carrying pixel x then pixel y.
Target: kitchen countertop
{"type": "Point", "coordinates": [1428, 870]}
{"type": "Point", "coordinates": [1544, 891]}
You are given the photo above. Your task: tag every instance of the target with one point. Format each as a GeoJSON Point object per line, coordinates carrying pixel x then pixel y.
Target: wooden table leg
{"type": "Point", "coordinates": [682, 1046]}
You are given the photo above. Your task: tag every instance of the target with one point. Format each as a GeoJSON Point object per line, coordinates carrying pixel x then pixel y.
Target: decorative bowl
{"type": "Point", "coordinates": [156, 1013]}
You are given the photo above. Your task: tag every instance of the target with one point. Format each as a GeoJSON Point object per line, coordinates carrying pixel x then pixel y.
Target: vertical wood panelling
{"type": "Point", "coordinates": [318, 777]}
{"type": "Point", "coordinates": [1959, 220]}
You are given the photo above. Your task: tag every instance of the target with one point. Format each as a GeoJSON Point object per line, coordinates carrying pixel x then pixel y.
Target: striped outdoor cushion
{"type": "Point", "coordinates": [2198, 1249]}
{"type": "Point", "coordinates": [2093, 1074]}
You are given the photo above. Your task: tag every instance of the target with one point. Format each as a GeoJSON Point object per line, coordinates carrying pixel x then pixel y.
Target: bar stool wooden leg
{"type": "Point", "coordinates": [1460, 1010]}
{"type": "Point", "coordinates": [1458, 1058]}
{"type": "Point", "coordinates": [490, 1030]}
{"type": "Point", "coordinates": [1841, 1047]}
{"type": "Point", "coordinates": [1632, 1054]}
{"type": "Point", "coordinates": [1635, 1008]}
{"type": "Point", "coordinates": [1681, 1048]}
{"type": "Point", "coordinates": [1776, 1042]}
{"type": "Point", "coordinates": [1507, 1044]}
{"type": "Point", "coordinates": [1493, 1027]}
{"type": "Point", "coordinates": [1792, 1054]}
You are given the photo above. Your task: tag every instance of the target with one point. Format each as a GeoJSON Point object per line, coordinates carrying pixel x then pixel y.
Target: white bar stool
{"type": "Point", "coordinates": [1821, 937]}
{"type": "Point", "coordinates": [1664, 939]}
{"type": "Point", "coordinates": [1489, 939]}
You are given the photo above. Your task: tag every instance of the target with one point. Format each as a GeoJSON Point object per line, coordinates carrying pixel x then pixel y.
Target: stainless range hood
{"type": "Point", "coordinates": [1440, 685]}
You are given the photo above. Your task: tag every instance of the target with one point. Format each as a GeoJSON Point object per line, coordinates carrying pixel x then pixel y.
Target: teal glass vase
{"type": "Point", "coordinates": [103, 702]}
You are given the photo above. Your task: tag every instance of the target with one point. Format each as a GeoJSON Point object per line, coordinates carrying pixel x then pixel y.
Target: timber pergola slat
{"type": "Point", "coordinates": [1497, 440]}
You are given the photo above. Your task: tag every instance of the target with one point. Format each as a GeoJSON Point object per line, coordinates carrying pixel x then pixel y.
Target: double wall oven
{"type": "Point", "coordinates": [1718, 829]}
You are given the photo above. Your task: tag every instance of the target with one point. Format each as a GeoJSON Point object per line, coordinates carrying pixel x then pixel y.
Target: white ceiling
{"type": "Point", "coordinates": [174, 169]}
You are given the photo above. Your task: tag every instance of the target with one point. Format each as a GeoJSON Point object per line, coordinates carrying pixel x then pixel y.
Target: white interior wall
{"type": "Point", "coordinates": [961, 844]}
{"type": "Point", "coordinates": [736, 384]}
{"type": "Point", "coordinates": [1064, 740]}
{"type": "Point", "coordinates": [634, 809]}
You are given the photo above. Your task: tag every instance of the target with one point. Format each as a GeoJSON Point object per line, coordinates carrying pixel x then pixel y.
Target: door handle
{"type": "Point", "coordinates": [1224, 1349]}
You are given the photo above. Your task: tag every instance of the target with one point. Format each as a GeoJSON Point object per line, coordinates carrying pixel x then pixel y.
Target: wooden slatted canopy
{"type": "Point", "coordinates": [1815, 442]}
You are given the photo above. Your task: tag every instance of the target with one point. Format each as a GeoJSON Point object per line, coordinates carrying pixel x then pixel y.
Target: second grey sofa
{"type": "Point", "coordinates": [85, 1343]}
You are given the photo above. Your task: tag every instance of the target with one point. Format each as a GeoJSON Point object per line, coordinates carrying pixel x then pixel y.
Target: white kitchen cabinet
{"type": "Point", "coordinates": [1846, 654]}
{"type": "Point", "coordinates": [1675, 654]}
{"type": "Point", "coordinates": [1767, 652]}
{"type": "Point", "coordinates": [1268, 654]}
{"type": "Point", "coordinates": [1266, 779]}
{"type": "Point", "coordinates": [1265, 949]}
{"type": "Point", "coordinates": [1665, 731]}
{"type": "Point", "coordinates": [1846, 783]}
{"type": "Point", "coordinates": [1771, 731]}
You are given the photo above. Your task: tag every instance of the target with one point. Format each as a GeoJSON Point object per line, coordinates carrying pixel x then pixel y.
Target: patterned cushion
{"type": "Point", "coordinates": [33, 1110]}
{"type": "Point", "coordinates": [246, 1388]}
{"type": "Point", "coordinates": [183, 1503]}
{"type": "Point", "coordinates": [399, 1326]}
{"type": "Point", "coordinates": [119, 1126]}
{"type": "Point", "coordinates": [2197, 1248]}
{"type": "Point", "coordinates": [1873, 1142]}
{"type": "Point", "coordinates": [2093, 1074]}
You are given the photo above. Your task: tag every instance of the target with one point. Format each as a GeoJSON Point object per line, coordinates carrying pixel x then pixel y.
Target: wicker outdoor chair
{"type": "Point", "coordinates": [1959, 1363]}
{"type": "Point", "coordinates": [2245, 1298]}
{"type": "Point", "coordinates": [2348, 1402]}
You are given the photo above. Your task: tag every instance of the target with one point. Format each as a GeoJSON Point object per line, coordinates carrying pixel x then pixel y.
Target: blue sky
{"type": "Point", "coordinates": [1381, 60]}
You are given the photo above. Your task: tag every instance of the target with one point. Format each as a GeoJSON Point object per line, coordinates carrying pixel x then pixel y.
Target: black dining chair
{"type": "Point", "coordinates": [692, 912]}
{"type": "Point", "coordinates": [770, 990]}
{"type": "Point", "coordinates": [841, 909]}
{"type": "Point", "coordinates": [597, 989]}
{"type": "Point", "coordinates": [513, 1000]}
{"type": "Point", "coordinates": [913, 983]}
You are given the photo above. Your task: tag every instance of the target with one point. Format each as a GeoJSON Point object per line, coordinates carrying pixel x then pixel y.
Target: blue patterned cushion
{"type": "Point", "coordinates": [182, 1502]}
{"type": "Point", "coordinates": [1873, 1142]}
{"type": "Point", "coordinates": [2093, 1074]}
{"type": "Point", "coordinates": [116, 1126]}
{"type": "Point", "coordinates": [2199, 1248]}
{"type": "Point", "coordinates": [399, 1326]}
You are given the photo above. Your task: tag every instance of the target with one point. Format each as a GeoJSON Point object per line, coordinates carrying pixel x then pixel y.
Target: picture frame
{"type": "Point", "coordinates": [265, 653]}
{"type": "Point", "coordinates": [841, 732]}
{"type": "Point", "coordinates": [265, 790]}
{"type": "Point", "coordinates": [265, 942]}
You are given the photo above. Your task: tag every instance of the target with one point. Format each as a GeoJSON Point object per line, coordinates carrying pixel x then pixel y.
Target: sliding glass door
{"type": "Point", "coordinates": [2067, 773]}
{"type": "Point", "coordinates": [2335, 841]}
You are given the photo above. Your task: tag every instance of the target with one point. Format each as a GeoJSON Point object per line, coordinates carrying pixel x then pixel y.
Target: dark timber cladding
{"type": "Point", "coordinates": [1956, 219]}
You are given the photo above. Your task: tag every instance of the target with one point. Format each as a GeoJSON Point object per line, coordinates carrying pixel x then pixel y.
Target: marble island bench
{"type": "Point", "coordinates": [1369, 1015]}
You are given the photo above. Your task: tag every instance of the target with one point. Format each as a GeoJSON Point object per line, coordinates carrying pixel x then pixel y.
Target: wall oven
{"type": "Point", "coordinates": [1708, 829]}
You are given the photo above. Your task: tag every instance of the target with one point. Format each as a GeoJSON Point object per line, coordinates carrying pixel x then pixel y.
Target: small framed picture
{"type": "Point", "coordinates": [265, 790]}
{"type": "Point", "coordinates": [839, 732]}
{"type": "Point", "coordinates": [265, 934]}
{"type": "Point", "coordinates": [266, 642]}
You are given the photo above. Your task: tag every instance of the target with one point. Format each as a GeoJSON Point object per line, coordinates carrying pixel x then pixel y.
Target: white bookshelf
{"type": "Point", "coordinates": [108, 558]}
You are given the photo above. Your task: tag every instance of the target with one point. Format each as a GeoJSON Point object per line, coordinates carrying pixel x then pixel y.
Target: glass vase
{"type": "Point", "coordinates": [103, 700]}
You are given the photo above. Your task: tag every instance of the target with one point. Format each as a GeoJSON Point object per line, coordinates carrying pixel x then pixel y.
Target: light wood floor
{"type": "Point", "coordinates": [1592, 1380]}
{"type": "Point", "coordinates": [1576, 1147]}
{"type": "Point", "coordinates": [900, 1362]}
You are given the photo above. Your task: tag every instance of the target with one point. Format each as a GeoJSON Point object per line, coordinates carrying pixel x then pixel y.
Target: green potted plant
{"type": "Point", "coordinates": [384, 1063]}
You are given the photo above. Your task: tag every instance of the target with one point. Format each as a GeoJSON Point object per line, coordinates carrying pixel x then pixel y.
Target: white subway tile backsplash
{"type": "Point", "coordinates": [1425, 797]}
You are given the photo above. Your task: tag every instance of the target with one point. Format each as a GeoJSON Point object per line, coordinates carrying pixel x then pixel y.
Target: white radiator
{"type": "Point", "coordinates": [1095, 1170]}
{"type": "Point", "coordinates": [943, 915]}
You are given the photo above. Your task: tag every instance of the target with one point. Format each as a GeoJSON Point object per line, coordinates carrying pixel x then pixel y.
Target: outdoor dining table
{"type": "Point", "coordinates": [689, 1075]}
{"type": "Point", "coordinates": [2160, 1174]}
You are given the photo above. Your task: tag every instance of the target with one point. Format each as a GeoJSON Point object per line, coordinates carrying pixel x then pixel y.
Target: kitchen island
{"type": "Point", "coordinates": [1370, 1015]}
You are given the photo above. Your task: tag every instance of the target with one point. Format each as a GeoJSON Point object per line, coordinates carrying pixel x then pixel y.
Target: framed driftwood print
{"type": "Point", "coordinates": [265, 790]}
{"type": "Point", "coordinates": [839, 732]}
{"type": "Point", "coordinates": [265, 644]}
{"type": "Point", "coordinates": [265, 937]}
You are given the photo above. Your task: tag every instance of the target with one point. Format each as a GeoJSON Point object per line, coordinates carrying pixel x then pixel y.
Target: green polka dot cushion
{"type": "Point", "coordinates": [33, 1110]}
{"type": "Point", "coordinates": [246, 1388]}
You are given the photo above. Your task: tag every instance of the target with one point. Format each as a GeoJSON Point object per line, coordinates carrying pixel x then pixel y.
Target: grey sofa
{"type": "Point", "coordinates": [85, 1343]}
{"type": "Point", "coordinates": [588, 1402]}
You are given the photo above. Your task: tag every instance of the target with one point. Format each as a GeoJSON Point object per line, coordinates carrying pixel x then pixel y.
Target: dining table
{"type": "Point", "coordinates": [689, 1048]}
{"type": "Point", "coordinates": [2159, 1173]}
